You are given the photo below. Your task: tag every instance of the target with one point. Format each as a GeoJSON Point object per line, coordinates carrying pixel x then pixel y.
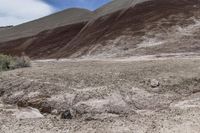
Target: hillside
{"type": "Point", "coordinates": [5, 27]}
{"type": "Point", "coordinates": [131, 66]}
{"type": "Point", "coordinates": [66, 17]}
{"type": "Point", "coordinates": [45, 35]}
{"type": "Point", "coordinates": [118, 29]}
{"type": "Point", "coordinates": [139, 28]}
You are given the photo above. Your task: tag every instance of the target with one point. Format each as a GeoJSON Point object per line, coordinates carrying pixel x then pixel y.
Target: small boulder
{"type": "Point", "coordinates": [61, 102]}
{"type": "Point", "coordinates": [112, 104]}
{"type": "Point", "coordinates": [2, 92]}
{"type": "Point", "coordinates": [154, 83]}
{"type": "Point", "coordinates": [45, 107]}
{"type": "Point", "coordinates": [28, 113]}
{"type": "Point", "coordinates": [66, 115]}
{"type": "Point", "coordinates": [54, 112]}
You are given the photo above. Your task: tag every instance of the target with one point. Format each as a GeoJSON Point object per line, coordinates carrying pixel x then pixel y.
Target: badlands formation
{"type": "Point", "coordinates": [131, 66]}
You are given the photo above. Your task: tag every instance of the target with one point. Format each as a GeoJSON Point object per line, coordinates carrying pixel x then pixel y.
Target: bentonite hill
{"type": "Point", "coordinates": [120, 28]}
{"type": "Point", "coordinates": [131, 66]}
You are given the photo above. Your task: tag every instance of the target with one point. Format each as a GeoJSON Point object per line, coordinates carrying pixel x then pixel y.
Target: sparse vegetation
{"type": "Point", "coordinates": [9, 62]}
{"type": "Point", "coordinates": [21, 62]}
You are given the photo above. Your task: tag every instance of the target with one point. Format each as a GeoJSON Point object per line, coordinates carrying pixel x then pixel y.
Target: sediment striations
{"type": "Point", "coordinates": [118, 29]}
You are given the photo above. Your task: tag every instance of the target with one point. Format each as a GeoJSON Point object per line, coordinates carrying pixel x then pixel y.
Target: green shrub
{"type": "Point", "coordinates": [9, 63]}
{"type": "Point", "coordinates": [5, 62]}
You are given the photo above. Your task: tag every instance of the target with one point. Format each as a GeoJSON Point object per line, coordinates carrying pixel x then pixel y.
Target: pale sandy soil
{"type": "Point", "coordinates": [135, 95]}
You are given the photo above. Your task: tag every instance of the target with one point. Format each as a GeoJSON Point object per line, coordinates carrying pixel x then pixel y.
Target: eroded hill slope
{"type": "Point", "coordinates": [118, 29]}
{"type": "Point", "coordinates": [139, 28]}
{"type": "Point", "coordinates": [44, 36]}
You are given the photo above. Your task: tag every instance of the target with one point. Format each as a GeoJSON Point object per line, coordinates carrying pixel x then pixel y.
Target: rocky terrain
{"type": "Point", "coordinates": [137, 95]}
{"type": "Point", "coordinates": [131, 66]}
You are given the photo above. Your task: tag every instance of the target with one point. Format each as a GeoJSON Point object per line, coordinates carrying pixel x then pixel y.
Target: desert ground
{"type": "Point", "coordinates": [149, 94]}
{"type": "Point", "coordinates": [130, 66]}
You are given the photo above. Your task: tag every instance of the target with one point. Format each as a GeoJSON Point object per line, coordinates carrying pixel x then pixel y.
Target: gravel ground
{"type": "Point", "coordinates": [94, 96]}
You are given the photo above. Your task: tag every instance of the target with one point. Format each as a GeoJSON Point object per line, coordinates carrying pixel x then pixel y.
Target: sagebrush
{"type": "Point", "coordinates": [9, 62]}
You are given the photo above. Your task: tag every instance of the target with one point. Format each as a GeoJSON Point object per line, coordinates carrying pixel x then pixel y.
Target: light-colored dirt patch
{"type": "Point", "coordinates": [104, 95]}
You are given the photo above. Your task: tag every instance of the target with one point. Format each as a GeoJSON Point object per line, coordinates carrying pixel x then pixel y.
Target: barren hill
{"type": "Point", "coordinates": [139, 28]}
{"type": "Point", "coordinates": [118, 29]}
{"type": "Point", "coordinates": [66, 17]}
{"type": "Point", "coordinates": [5, 27]}
{"type": "Point", "coordinates": [150, 83]}
{"type": "Point", "coordinates": [116, 5]}
{"type": "Point", "coordinates": [41, 37]}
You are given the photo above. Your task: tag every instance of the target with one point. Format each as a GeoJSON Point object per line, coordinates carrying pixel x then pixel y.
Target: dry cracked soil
{"type": "Point", "coordinates": [141, 95]}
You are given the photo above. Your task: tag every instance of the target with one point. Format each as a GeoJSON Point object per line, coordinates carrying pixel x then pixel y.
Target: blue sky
{"type": "Point", "coordinates": [89, 4]}
{"type": "Point", "coordinates": [14, 12]}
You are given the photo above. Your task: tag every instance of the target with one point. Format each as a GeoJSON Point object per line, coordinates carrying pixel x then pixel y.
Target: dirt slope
{"type": "Point", "coordinates": [43, 44]}
{"type": "Point", "coordinates": [40, 38]}
{"type": "Point", "coordinates": [118, 29]}
{"type": "Point", "coordinates": [114, 6]}
{"type": "Point", "coordinates": [63, 18]}
{"type": "Point", "coordinates": [145, 27]}
{"type": "Point", "coordinates": [5, 27]}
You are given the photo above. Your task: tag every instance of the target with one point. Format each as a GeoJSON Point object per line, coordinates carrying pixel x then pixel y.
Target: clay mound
{"type": "Point", "coordinates": [114, 6]}
{"type": "Point", "coordinates": [127, 28]}
{"type": "Point", "coordinates": [118, 29]}
{"type": "Point", "coordinates": [67, 17]}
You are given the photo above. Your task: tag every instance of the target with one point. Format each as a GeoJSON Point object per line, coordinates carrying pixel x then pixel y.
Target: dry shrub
{"type": "Point", "coordinates": [9, 62]}
{"type": "Point", "coordinates": [5, 62]}
{"type": "Point", "coordinates": [21, 62]}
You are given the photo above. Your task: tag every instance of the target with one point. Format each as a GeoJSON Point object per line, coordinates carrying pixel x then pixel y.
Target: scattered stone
{"type": "Point", "coordinates": [1, 105]}
{"type": "Point", "coordinates": [28, 113]}
{"type": "Point", "coordinates": [14, 98]}
{"type": "Point", "coordinates": [154, 83]}
{"type": "Point", "coordinates": [46, 107]}
{"type": "Point", "coordinates": [34, 94]}
{"type": "Point", "coordinates": [113, 104]}
{"type": "Point", "coordinates": [2, 92]}
{"type": "Point", "coordinates": [61, 102]}
{"type": "Point", "coordinates": [117, 105]}
{"type": "Point", "coordinates": [54, 112]}
{"type": "Point", "coordinates": [45, 114]}
{"type": "Point", "coordinates": [66, 115]}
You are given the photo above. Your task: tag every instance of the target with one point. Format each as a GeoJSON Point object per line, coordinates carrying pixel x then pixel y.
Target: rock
{"type": "Point", "coordinates": [54, 112]}
{"type": "Point", "coordinates": [112, 104]}
{"type": "Point", "coordinates": [66, 115]}
{"type": "Point", "coordinates": [28, 113]}
{"type": "Point", "coordinates": [34, 94]}
{"type": "Point", "coordinates": [61, 102]}
{"type": "Point", "coordinates": [46, 107]}
{"type": "Point", "coordinates": [2, 92]}
{"type": "Point", "coordinates": [117, 105]}
{"type": "Point", "coordinates": [92, 106]}
{"type": "Point", "coordinates": [154, 83]}
{"type": "Point", "coordinates": [14, 98]}
{"type": "Point", "coordinates": [1, 105]}
{"type": "Point", "coordinates": [36, 100]}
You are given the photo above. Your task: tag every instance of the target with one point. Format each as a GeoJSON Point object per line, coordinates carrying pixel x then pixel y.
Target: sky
{"type": "Point", "coordinates": [63, 4]}
{"type": "Point", "coordinates": [14, 12]}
